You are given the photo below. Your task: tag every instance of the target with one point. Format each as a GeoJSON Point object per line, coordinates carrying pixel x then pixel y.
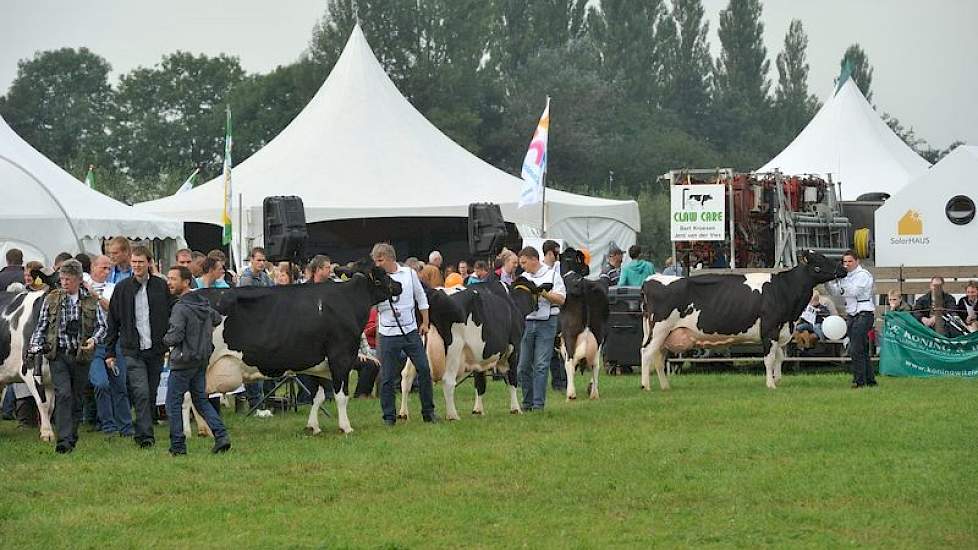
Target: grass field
{"type": "Point", "coordinates": [716, 461]}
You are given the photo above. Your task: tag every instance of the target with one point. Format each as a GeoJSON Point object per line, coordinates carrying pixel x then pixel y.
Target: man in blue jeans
{"type": "Point", "coordinates": [111, 395]}
{"type": "Point", "coordinates": [398, 330]}
{"type": "Point", "coordinates": [537, 345]}
{"type": "Point", "coordinates": [190, 334]}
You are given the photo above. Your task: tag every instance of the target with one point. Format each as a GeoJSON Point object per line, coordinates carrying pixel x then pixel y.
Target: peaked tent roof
{"type": "Point", "coordinates": [359, 149]}
{"type": "Point", "coordinates": [847, 139]}
{"type": "Point", "coordinates": [935, 241]}
{"type": "Point", "coordinates": [45, 207]}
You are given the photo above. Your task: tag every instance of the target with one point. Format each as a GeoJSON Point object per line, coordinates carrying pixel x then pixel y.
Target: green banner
{"type": "Point", "coordinates": [911, 349]}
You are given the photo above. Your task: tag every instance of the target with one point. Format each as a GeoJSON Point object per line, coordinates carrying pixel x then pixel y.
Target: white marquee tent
{"type": "Point", "coordinates": [913, 228]}
{"type": "Point", "coordinates": [848, 140]}
{"type": "Point", "coordinates": [359, 149]}
{"type": "Point", "coordinates": [45, 210]}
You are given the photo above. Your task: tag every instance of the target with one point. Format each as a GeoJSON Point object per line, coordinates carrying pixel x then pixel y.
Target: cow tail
{"type": "Point", "coordinates": [647, 315]}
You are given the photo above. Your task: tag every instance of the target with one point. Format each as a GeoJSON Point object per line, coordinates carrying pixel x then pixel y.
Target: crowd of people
{"type": "Point", "coordinates": [111, 322]}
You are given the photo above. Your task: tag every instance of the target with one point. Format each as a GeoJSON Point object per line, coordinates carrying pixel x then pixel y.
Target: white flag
{"type": "Point", "coordinates": [535, 162]}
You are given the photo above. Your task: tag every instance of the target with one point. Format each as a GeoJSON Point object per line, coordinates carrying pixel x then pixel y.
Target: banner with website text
{"type": "Point", "coordinates": [911, 349]}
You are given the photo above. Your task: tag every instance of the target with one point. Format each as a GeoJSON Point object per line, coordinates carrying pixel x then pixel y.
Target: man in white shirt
{"type": "Point", "coordinates": [398, 331]}
{"type": "Point", "coordinates": [537, 346]}
{"type": "Point", "coordinates": [111, 395]}
{"type": "Point", "coordinates": [558, 374]}
{"type": "Point", "coordinates": [857, 288]}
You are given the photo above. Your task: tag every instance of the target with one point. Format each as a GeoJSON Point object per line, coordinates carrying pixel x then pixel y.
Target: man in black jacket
{"type": "Point", "coordinates": [14, 272]}
{"type": "Point", "coordinates": [924, 309]}
{"type": "Point", "coordinates": [190, 335]}
{"type": "Point", "coordinates": [139, 314]}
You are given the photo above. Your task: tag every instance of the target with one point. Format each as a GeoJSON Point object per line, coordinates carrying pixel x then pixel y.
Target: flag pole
{"type": "Point", "coordinates": [543, 206]}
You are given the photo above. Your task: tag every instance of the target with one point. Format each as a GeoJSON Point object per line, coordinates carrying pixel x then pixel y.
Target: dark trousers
{"type": "Point", "coordinates": [312, 385]}
{"type": "Point", "coordinates": [143, 371]}
{"type": "Point", "coordinates": [69, 378]}
{"type": "Point", "coordinates": [366, 377]}
{"type": "Point", "coordinates": [859, 327]}
{"type": "Point", "coordinates": [390, 348]}
{"type": "Point", "coordinates": [180, 382]}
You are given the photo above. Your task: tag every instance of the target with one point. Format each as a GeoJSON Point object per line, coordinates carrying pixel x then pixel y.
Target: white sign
{"type": "Point", "coordinates": [698, 213]}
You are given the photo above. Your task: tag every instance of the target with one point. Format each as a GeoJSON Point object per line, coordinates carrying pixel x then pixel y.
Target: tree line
{"type": "Point", "coordinates": [635, 92]}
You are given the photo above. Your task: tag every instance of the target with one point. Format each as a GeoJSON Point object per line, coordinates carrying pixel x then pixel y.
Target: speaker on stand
{"type": "Point", "coordinates": [487, 231]}
{"type": "Point", "coordinates": [284, 225]}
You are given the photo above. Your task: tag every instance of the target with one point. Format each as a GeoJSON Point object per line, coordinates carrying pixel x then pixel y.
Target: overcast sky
{"type": "Point", "coordinates": [924, 54]}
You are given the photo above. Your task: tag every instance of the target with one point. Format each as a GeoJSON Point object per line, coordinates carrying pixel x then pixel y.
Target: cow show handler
{"type": "Point", "coordinates": [398, 330]}
{"type": "Point", "coordinates": [68, 328]}
{"type": "Point", "coordinates": [537, 346]}
{"type": "Point", "coordinates": [857, 289]}
{"type": "Point", "coordinates": [139, 314]}
{"type": "Point", "coordinates": [190, 334]}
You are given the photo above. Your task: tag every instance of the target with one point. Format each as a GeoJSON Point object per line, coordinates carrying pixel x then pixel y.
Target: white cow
{"type": "Point", "coordinates": [17, 322]}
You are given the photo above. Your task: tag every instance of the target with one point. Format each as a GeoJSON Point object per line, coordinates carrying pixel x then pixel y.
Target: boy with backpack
{"type": "Point", "coordinates": [190, 333]}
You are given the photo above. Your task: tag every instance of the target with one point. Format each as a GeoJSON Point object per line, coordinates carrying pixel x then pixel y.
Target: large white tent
{"type": "Point", "coordinates": [359, 149]}
{"type": "Point", "coordinates": [913, 227]}
{"type": "Point", "coordinates": [847, 140]}
{"type": "Point", "coordinates": [44, 210]}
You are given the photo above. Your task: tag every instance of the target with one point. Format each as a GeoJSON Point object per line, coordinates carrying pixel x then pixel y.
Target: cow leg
{"type": "Point", "coordinates": [44, 406]}
{"type": "Point", "coordinates": [203, 430]}
{"type": "Point", "coordinates": [514, 399]}
{"type": "Point", "coordinates": [185, 413]}
{"type": "Point", "coordinates": [569, 361]}
{"type": "Point", "coordinates": [407, 380]}
{"type": "Point", "coordinates": [341, 391]}
{"type": "Point", "coordinates": [653, 355]}
{"type": "Point", "coordinates": [770, 356]}
{"type": "Point", "coordinates": [448, 387]}
{"type": "Point", "coordinates": [778, 359]}
{"type": "Point", "coordinates": [595, 370]}
{"type": "Point", "coordinates": [312, 423]}
{"type": "Point", "coordinates": [479, 379]}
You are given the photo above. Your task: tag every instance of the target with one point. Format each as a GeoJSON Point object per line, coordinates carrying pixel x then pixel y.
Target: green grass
{"type": "Point", "coordinates": [716, 461]}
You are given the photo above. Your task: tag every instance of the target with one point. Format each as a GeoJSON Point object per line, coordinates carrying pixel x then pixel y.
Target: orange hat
{"type": "Point", "coordinates": [453, 280]}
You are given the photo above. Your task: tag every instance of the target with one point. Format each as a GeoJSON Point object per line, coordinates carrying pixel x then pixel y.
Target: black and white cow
{"type": "Point", "coordinates": [726, 309]}
{"type": "Point", "coordinates": [474, 330]}
{"type": "Point", "coordinates": [583, 321]}
{"type": "Point", "coordinates": [312, 328]}
{"type": "Point", "coordinates": [18, 317]}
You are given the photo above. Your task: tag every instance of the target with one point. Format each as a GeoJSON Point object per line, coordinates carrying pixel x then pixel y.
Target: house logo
{"type": "Point", "coordinates": [910, 230]}
{"type": "Point", "coordinates": [910, 224]}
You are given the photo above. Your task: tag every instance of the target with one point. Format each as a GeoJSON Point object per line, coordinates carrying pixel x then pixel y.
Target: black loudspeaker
{"type": "Point", "coordinates": [284, 222]}
{"type": "Point", "coordinates": [487, 229]}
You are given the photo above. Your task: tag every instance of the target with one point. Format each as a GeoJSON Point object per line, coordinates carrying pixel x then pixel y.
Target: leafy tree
{"type": "Point", "coordinates": [859, 69]}
{"type": "Point", "coordinates": [520, 29]}
{"type": "Point", "coordinates": [742, 106]}
{"type": "Point", "coordinates": [171, 117]}
{"type": "Point", "coordinates": [794, 104]}
{"type": "Point", "coordinates": [59, 102]}
{"type": "Point", "coordinates": [625, 32]}
{"type": "Point", "coordinates": [684, 55]}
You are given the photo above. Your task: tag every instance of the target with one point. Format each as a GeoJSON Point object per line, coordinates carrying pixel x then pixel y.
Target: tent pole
{"type": "Point", "coordinates": [240, 235]}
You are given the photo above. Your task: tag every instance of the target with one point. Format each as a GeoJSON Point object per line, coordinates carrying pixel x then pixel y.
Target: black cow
{"type": "Point", "coordinates": [477, 329]}
{"type": "Point", "coordinates": [721, 310]}
{"type": "Point", "coordinates": [583, 320]}
{"type": "Point", "coordinates": [18, 317]}
{"type": "Point", "coordinates": [310, 328]}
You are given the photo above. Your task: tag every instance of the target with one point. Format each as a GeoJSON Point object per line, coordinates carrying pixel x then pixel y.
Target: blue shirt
{"type": "Point", "coordinates": [220, 283]}
{"type": "Point", "coordinates": [117, 275]}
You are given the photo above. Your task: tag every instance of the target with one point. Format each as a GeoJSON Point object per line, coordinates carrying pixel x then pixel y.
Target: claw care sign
{"type": "Point", "coordinates": [698, 213]}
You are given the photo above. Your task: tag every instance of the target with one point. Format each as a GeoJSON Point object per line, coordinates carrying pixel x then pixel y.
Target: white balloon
{"type": "Point", "coordinates": [834, 327]}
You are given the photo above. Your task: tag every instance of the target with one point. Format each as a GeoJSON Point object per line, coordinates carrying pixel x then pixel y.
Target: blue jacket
{"type": "Point", "coordinates": [635, 273]}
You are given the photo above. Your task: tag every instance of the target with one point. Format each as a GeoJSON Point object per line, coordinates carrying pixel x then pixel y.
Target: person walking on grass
{"type": "Point", "coordinates": [190, 335]}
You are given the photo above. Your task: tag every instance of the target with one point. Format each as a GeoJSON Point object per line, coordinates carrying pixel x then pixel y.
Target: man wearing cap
{"type": "Point", "coordinates": [612, 270]}
{"type": "Point", "coordinates": [69, 327]}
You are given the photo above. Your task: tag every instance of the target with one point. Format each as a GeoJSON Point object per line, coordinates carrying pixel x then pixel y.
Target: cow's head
{"type": "Point", "coordinates": [572, 261]}
{"type": "Point", "coordinates": [525, 294]}
{"type": "Point", "coordinates": [382, 286]}
{"type": "Point", "coordinates": [820, 268]}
